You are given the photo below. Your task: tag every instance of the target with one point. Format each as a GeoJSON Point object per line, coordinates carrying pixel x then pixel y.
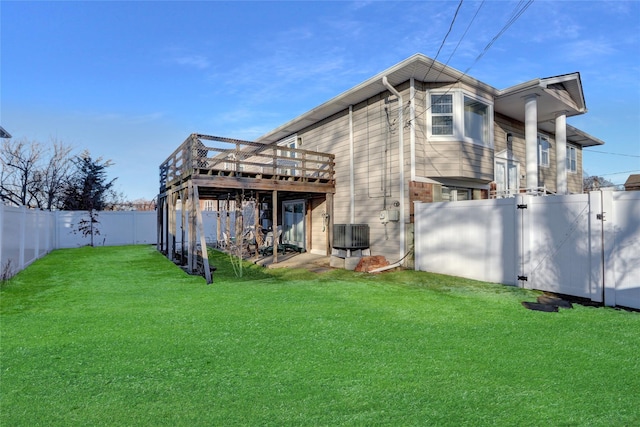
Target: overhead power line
{"type": "Point", "coordinates": [617, 173]}
{"type": "Point", "coordinates": [520, 8]}
{"type": "Point", "coordinates": [613, 154]}
{"type": "Point", "coordinates": [517, 13]}
{"type": "Point", "coordinates": [444, 39]}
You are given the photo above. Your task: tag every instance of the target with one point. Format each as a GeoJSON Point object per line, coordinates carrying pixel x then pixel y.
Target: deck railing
{"type": "Point", "coordinates": [212, 155]}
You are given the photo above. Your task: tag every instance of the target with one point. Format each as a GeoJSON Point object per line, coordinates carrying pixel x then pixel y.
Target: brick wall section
{"type": "Point", "coordinates": [419, 192]}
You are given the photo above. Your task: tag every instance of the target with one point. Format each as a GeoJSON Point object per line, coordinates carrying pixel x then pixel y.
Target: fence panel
{"type": "Point", "coordinates": [585, 245]}
{"type": "Point", "coordinates": [25, 235]}
{"type": "Point", "coordinates": [114, 228]}
{"type": "Point", "coordinates": [624, 261]}
{"type": "Point", "coordinates": [29, 234]}
{"type": "Point", "coordinates": [474, 239]}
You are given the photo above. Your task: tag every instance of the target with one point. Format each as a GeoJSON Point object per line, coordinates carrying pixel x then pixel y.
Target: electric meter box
{"type": "Point", "coordinates": [386, 216]}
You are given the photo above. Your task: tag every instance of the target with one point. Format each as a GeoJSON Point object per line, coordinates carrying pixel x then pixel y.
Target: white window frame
{"type": "Point", "coordinates": [291, 141]}
{"type": "Point", "coordinates": [544, 152]}
{"type": "Point", "coordinates": [458, 98]}
{"type": "Point", "coordinates": [572, 158]}
{"type": "Point", "coordinates": [453, 193]}
{"type": "Point", "coordinates": [487, 119]}
{"type": "Point", "coordinates": [433, 113]}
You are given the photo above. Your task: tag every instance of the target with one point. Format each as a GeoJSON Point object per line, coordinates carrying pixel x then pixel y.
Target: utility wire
{"type": "Point", "coordinates": [613, 154]}
{"type": "Point", "coordinates": [616, 173]}
{"type": "Point", "coordinates": [463, 36]}
{"type": "Point", "coordinates": [515, 15]}
{"type": "Point", "coordinates": [453, 20]}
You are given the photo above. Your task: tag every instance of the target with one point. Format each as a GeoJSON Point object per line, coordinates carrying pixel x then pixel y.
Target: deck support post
{"type": "Point", "coordinates": [200, 231]}
{"type": "Point", "coordinates": [329, 214]}
{"type": "Point", "coordinates": [171, 238]}
{"type": "Point", "coordinates": [192, 255]}
{"type": "Point", "coordinates": [183, 221]}
{"type": "Point", "coordinates": [276, 238]}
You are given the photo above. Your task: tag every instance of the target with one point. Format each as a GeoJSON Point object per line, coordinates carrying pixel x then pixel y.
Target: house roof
{"type": "Point", "coordinates": [4, 133]}
{"type": "Point", "coordinates": [633, 181]}
{"type": "Point", "coordinates": [560, 93]}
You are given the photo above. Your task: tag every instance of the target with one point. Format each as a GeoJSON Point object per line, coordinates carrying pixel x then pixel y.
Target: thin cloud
{"type": "Point", "coordinates": [198, 61]}
{"type": "Point", "coordinates": [589, 49]}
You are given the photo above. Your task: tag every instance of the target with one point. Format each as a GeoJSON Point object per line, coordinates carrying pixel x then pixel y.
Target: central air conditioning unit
{"type": "Point", "coordinates": [351, 236]}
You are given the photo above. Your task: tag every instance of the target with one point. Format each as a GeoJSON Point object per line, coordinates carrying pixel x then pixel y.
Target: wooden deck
{"type": "Point", "coordinates": [224, 164]}
{"type": "Point", "coordinates": [207, 167]}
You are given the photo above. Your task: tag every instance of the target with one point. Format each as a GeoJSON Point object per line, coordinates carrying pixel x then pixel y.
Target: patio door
{"type": "Point", "coordinates": [506, 178]}
{"type": "Point", "coordinates": [293, 230]}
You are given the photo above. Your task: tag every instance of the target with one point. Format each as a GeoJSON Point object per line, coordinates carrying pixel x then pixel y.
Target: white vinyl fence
{"type": "Point", "coordinates": [29, 234]}
{"type": "Point", "coordinates": [584, 245]}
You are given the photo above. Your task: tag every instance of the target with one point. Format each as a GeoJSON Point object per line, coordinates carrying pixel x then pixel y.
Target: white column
{"type": "Point", "coordinates": [561, 154]}
{"type": "Point", "coordinates": [531, 139]}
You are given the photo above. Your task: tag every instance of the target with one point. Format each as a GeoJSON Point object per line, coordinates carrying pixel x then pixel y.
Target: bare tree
{"type": "Point", "coordinates": [19, 162]}
{"type": "Point", "coordinates": [54, 176]}
{"type": "Point", "coordinates": [33, 174]}
{"type": "Point", "coordinates": [593, 182]}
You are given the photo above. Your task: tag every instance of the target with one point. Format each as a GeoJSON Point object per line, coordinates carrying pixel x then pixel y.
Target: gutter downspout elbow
{"type": "Point", "coordinates": [386, 83]}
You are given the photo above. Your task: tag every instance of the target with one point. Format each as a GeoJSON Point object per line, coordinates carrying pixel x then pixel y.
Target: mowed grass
{"type": "Point", "coordinates": [119, 336]}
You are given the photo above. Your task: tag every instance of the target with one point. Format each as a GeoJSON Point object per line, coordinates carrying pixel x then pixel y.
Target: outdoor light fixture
{"type": "Point", "coordinates": [509, 137]}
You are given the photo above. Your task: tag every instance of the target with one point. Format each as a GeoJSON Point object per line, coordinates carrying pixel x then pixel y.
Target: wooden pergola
{"type": "Point", "coordinates": [207, 167]}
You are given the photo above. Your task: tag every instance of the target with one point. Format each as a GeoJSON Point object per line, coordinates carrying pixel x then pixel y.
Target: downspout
{"type": "Point", "coordinates": [352, 185]}
{"type": "Point", "coordinates": [386, 83]}
{"type": "Point", "coordinates": [412, 129]}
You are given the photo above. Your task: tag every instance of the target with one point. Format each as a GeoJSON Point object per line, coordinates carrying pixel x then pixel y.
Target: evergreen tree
{"type": "Point", "coordinates": [88, 188]}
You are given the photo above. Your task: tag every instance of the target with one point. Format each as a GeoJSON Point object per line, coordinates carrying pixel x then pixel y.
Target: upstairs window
{"type": "Point", "coordinates": [476, 119]}
{"type": "Point", "coordinates": [442, 114]}
{"type": "Point", "coordinates": [543, 151]}
{"type": "Point", "coordinates": [572, 159]}
{"type": "Point", "coordinates": [456, 116]}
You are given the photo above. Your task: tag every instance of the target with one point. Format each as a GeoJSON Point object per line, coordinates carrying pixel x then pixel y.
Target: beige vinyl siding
{"type": "Point", "coordinates": [452, 159]}
{"type": "Point", "coordinates": [370, 133]}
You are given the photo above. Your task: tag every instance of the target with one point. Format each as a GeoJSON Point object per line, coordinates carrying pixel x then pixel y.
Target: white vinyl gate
{"type": "Point", "coordinates": [585, 245]}
{"type": "Point", "coordinates": [556, 245]}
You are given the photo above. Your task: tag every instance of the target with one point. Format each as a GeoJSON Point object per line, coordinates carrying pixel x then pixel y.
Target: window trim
{"type": "Point", "coordinates": [572, 149]}
{"type": "Point", "coordinates": [458, 97]}
{"type": "Point", "coordinates": [451, 114]}
{"type": "Point", "coordinates": [541, 150]}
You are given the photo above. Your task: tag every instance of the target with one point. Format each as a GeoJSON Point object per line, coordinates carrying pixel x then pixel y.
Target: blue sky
{"type": "Point", "coordinates": [129, 81]}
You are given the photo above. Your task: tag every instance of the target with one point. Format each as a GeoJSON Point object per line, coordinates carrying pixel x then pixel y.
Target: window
{"type": "Point", "coordinates": [572, 159]}
{"type": "Point", "coordinates": [452, 194]}
{"type": "Point", "coordinates": [456, 116]}
{"type": "Point", "coordinates": [476, 120]}
{"type": "Point", "coordinates": [543, 151]}
{"type": "Point", "coordinates": [442, 114]}
{"type": "Point", "coordinates": [288, 167]}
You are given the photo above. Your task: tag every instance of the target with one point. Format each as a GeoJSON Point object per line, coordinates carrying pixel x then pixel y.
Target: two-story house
{"type": "Point", "coordinates": [420, 131]}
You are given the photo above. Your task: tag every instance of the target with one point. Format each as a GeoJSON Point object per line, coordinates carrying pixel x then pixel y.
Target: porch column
{"type": "Point", "coordinates": [531, 140]}
{"type": "Point", "coordinates": [561, 153]}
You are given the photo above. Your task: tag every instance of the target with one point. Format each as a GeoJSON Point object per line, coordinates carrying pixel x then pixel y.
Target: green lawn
{"type": "Point", "coordinates": [120, 336]}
